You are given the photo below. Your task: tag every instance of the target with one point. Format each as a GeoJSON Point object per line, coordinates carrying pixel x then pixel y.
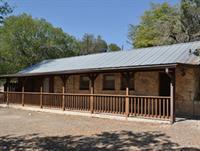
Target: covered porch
{"type": "Point", "coordinates": [39, 90]}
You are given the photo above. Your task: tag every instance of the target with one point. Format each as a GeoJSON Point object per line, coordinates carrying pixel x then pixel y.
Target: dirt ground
{"type": "Point", "coordinates": [28, 130]}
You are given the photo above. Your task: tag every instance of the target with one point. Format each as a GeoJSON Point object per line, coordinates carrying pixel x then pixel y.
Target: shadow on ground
{"type": "Point", "coordinates": [186, 118]}
{"type": "Point", "coordinates": [116, 141]}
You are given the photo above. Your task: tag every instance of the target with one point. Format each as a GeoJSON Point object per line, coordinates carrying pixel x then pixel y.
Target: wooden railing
{"type": "Point", "coordinates": [77, 102]}
{"type": "Point", "coordinates": [109, 104]}
{"type": "Point", "coordinates": [150, 106]}
{"type": "Point", "coordinates": [2, 97]}
{"type": "Point", "coordinates": [15, 97]}
{"type": "Point", "coordinates": [31, 98]}
{"type": "Point", "coordinates": [129, 105]}
{"type": "Point", "coordinates": [51, 100]}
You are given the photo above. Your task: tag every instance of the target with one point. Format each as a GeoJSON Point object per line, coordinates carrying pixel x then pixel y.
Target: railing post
{"type": "Point", "coordinates": [23, 95]}
{"type": "Point", "coordinates": [63, 97]}
{"type": "Point", "coordinates": [91, 99]}
{"type": "Point", "coordinates": [7, 89]}
{"type": "Point", "coordinates": [172, 103]}
{"type": "Point", "coordinates": [127, 102]}
{"type": "Point", "coordinates": [92, 79]}
{"type": "Point", "coordinates": [41, 95]}
{"type": "Point", "coordinates": [127, 76]}
{"type": "Point", "coordinates": [172, 77]}
{"type": "Point", "coordinates": [7, 100]}
{"type": "Point", "coordinates": [64, 79]}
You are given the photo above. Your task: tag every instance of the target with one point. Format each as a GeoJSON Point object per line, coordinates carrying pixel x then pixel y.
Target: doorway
{"type": "Point", "coordinates": [164, 84]}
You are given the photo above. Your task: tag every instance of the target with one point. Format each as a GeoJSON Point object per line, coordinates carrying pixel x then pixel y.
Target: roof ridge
{"type": "Point", "coordinates": [181, 43]}
{"type": "Point", "coordinates": [128, 50]}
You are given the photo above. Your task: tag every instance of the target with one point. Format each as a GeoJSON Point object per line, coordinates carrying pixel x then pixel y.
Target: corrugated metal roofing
{"type": "Point", "coordinates": [160, 55]}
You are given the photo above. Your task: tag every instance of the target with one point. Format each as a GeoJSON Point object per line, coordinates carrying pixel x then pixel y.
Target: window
{"type": "Point", "coordinates": [84, 83]}
{"type": "Point", "coordinates": [131, 82]}
{"type": "Point", "coordinates": [108, 82]}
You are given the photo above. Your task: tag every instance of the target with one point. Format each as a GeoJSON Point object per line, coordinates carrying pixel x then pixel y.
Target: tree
{"type": "Point", "coordinates": [5, 9]}
{"type": "Point", "coordinates": [25, 41]}
{"type": "Point", "coordinates": [113, 47]}
{"type": "Point", "coordinates": [155, 27]}
{"type": "Point", "coordinates": [165, 24]}
{"type": "Point", "coordinates": [100, 45]}
{"type": "Point", "coordinates": [90, 44]}
{"type": "Point", "coordinates": [87, 44]}
{"type": "Point", "coordinates": [190, 19]}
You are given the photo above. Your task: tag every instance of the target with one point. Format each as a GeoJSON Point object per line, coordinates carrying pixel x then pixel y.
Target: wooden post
{"type": "Point", "coordinates": [92, 79]}
{"type": "Point", "coordinates": [172, 94]}
{"type": "Point", "coordinates": [23, 83]}
{"type": "Point", "coordinates": [64, 79]}
{"type": "Point", "coordinates": [63, 97]}
{"type": "Point", "coordinates": [127, 102]}
{"type": "Point", "coordinates": [23, 95]}
{"type": "Point", "coordinates": [41, 95]}
{"type": "Point", "coordinates": [7, 89]}
{"type": "Point", "coordinates": [172, 102]}
{"type": "Point", "coordinates": [92, 97]}
{"type": "Point", "coordinates": [127, 76]}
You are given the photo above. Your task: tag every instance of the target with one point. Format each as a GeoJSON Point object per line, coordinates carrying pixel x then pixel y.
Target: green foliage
{"type": "Point", "coordinates": [100, 45]}
{"type": "Point", "coordinates": [155, 27]}
{"type": "Point", "coordinates": [113, 47]}
{"type": "Point", "coordinates": [87, 44]}
{"type": "Point", "coordinates": [25, 41]}
{"type": "Point", "coordinates": [90, 44]}
{"type": "Point", "coordinates": [165, 24]}
{"type": "Point", "coordinates": [5, 9]}
{"type": "Point", "coordinates": [190, 19]}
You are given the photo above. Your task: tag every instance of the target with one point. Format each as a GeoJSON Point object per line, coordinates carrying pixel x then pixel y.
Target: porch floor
{"type": "Point", "coordinates": [29, 130]}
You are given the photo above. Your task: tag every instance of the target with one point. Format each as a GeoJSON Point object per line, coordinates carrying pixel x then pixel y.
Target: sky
{"type": "Point", "coordinates": [108, 18]}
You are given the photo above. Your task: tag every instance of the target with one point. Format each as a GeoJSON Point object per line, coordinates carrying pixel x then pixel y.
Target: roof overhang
{"type": "Point", "coordinates": [95, 70]}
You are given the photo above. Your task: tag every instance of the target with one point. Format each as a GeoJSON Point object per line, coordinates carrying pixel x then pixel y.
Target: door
{"type": "Point", "coordinates": [164, 84]}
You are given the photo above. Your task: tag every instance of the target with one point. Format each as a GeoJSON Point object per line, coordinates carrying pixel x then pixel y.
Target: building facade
{"type": "Point", "coordinates": [163, 81]}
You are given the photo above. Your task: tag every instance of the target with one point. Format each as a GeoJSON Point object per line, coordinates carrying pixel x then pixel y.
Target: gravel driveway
{"type": "Point", "coordinates": [27, 130]}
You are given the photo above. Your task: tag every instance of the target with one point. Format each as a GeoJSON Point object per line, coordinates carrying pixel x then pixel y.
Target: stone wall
{"type": "Point", "coordinates": [146, 83]}
{"type": "Point", "coordinates": [187, 91]}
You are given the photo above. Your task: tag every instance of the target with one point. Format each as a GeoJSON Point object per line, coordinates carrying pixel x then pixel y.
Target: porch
{"type": "Point", "coordinates": [127, 104]}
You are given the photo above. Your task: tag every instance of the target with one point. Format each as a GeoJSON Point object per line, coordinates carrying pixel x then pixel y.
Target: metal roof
{"type": "Point", "coordinates": [182, 53]}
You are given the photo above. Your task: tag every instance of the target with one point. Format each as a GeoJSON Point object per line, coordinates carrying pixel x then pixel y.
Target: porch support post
{"type": "Point", "coordinates": [172, 103]}
{"type": "Point", "coordinates": [64, 79]}
{"type": "Point", "coordinates": [92, 98]}
{"type": "Point", "coordinates": [41, 93]}
{"type": "Point", "coordinates": [92, 79]}
{"type": "Point", "coordinates": [23, 83]}
{"type": "Point", "coordinates": [127, 77]}
{"type": "Point", "coordinates": [172, 94]}
{"type": "Point", "coordinates": [7, 89]}
{"type": "Point", "coordinates": [127, 102]}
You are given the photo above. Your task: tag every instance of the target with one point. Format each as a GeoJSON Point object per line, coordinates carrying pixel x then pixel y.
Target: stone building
{"type": "Point", "coordinates": [164, 72]}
